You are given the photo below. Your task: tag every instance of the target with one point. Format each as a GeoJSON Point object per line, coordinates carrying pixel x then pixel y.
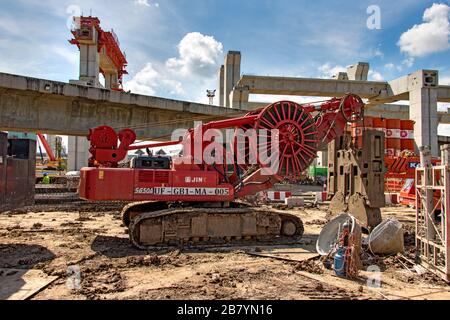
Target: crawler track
{"type": "Point", "coordinates": [203, 227]}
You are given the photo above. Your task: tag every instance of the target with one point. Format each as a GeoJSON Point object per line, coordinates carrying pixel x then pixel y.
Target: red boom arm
{"type": "Point", "coordinates": [47, 148]}
{"type": "Point", "coordinates": [298, 133]}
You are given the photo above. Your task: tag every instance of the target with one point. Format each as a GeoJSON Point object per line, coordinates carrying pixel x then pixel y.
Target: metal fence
{"type": "Point", "coordinates": [17, 172]}
{"type": "Point", "coordinates": [432, 218]}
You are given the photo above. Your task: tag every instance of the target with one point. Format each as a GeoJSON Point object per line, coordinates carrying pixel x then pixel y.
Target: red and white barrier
{"type": "Point", "coordinates": [392, 198]}
{"type": "Point", "coordinates": [278, 196]}
{"type": "Point", "coordinates": [321, 196]}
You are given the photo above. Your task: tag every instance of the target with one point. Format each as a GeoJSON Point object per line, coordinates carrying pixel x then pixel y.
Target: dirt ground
{"type": "Point", "coordinates": [58, 239]}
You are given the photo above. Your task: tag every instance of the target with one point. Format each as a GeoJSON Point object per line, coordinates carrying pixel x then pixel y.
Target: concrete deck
{"type": "Point", "coordinates": [30, 104]}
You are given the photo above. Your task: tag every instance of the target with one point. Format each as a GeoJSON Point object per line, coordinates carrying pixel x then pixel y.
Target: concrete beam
{"type": "Point", "coordinates": [388, 111]}
{"type": "Point", "coordinates": [442, 140]}
{"type": "Point", "coordinates": [376, 92]}
{"type": "Point", "coordinates": [312, 87]}
{"type": "Point", "coordinates": [444, 93]}
{"type": "Point", "coordinates": [396, 111]}
{"type": "Point", "coordinates": [30, 105]}
{"type": "Point", "coordinates": [400, 88]}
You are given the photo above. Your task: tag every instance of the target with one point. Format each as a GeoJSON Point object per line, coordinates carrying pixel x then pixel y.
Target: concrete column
{"type": "Point", "coordinates": [232, 74]}
{"type": "Point", "coordinates": [239, 98]}
{"type": "Point", "coordinates": [78, 153]}
{"type": "Point", "coordinates": [423, 97]}
{"type": "Point", "coordinates": [51, 139]}
{"type": "Point", "coordinates": [111, 79]}
{"type": "Point", "coordinates": [423, 110]}
{"type": "Point", "coordinates": [322, 158]}
{"type": "Point", "coordinates": [358, 72]}
{"type": "Point", "coordinates": [89, 64]}
{"type": "Point", "coordinates": [445, 154]}
{"type": "Point", "coordinates": [221, 85]}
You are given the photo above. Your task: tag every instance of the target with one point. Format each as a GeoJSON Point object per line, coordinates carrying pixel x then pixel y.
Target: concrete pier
{"type": "Point", "coordinates": [232, 74]}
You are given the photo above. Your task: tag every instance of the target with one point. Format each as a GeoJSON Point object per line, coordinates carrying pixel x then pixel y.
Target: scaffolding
{"type": "Point", "coordinates": [433, 215]}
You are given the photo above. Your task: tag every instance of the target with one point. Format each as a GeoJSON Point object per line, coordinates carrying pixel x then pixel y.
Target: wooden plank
{"type": "Point", "coordinates": [17, 284]}
{"type": "Point", "coordinates": [297, 253]}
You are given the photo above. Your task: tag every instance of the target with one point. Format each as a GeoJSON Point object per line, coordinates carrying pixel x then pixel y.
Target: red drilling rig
{"type": "Point", "coordinates": [191, 199]}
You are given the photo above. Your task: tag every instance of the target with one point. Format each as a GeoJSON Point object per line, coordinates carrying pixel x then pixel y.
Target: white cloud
{"type": "Point", "coordinates": [327, 70]}
{"type": "Point", "coordinates": [375, 75]}
{"type": "Point", "coordinates": [9, 25]}
{"type": "Point", "coordinates": [198, 56]}
{"type": "Point", "coordinates": [69, 55]}
{"type": "Point", "coordinates": [150, 81]}
{"type": "Point", "coordinates": [142, 3]}
{"type": "Point", "coordinates": [430, 36]}
{"type": "Point", "coordinates": [444, 80]}
{"type": "Point", "coordinates": [378, 53]}
{"type": "Point", "coordinates": [175, 86]}
{"type": "Point", "coordinates": [408, 62]}
{"type": "Point", "coordinates": [186, 76]}
{"type": "Point", "coordinates": [144, 82]}
{"type": "Point", "coordinates": [145, 3]}
{"type": "Point", "coordinates": [392, 66]}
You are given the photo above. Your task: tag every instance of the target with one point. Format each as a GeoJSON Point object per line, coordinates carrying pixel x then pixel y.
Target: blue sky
{"type": "Point", "coordinates": [174, 47]}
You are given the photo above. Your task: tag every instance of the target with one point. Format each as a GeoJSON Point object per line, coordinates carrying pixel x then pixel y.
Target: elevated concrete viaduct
{"type": "Point", "coordinates": [31, 105]}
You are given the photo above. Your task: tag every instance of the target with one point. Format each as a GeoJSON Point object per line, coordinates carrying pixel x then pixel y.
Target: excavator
{"type": "Point", "coordinates": [53, 163]}
{"type": "Point", "coordinates": [196, 198]}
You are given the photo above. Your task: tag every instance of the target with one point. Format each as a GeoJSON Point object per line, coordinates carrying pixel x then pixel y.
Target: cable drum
{"type": "Point", "coordinates": [297, 136]}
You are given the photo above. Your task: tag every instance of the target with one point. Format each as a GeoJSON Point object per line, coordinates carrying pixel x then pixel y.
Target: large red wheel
{"type": "Point", "coordinates": [103, 137]}
{"type": "Point", "coordinates": [352, 108]}
{"type": "Point", "coordinates": [297, 135]}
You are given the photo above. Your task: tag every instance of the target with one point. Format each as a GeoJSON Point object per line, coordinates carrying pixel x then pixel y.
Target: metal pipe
{"type": "Point", "coordinates": [425, 162]}
{"type": "Point", "coordinates": [445, 154]}
{"type": "Point", "coordinates": [154, 145]}
{"type": "Point", "coordinates": [230, 123]}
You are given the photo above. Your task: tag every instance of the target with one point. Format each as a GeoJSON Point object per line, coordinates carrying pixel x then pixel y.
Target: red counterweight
{"type": "Point", "coordinates": [268, 145]}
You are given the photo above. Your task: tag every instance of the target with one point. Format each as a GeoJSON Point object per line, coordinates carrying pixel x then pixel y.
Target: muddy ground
{"type": "Point", "coordinates": [59, 239]}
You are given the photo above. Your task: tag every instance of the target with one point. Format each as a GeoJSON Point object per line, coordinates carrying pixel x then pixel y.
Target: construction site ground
{"type": "Point", "coordinates": [52, 240]}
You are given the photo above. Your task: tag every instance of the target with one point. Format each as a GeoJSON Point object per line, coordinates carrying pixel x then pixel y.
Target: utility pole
{"type": "Point", "coordinates": [211, 94]}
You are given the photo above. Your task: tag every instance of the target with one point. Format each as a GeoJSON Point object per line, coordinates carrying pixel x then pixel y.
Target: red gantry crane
{"type": "Point", "coordinates": [108, 58]}
{"type": "Point", "coordinates": [195, 201]}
